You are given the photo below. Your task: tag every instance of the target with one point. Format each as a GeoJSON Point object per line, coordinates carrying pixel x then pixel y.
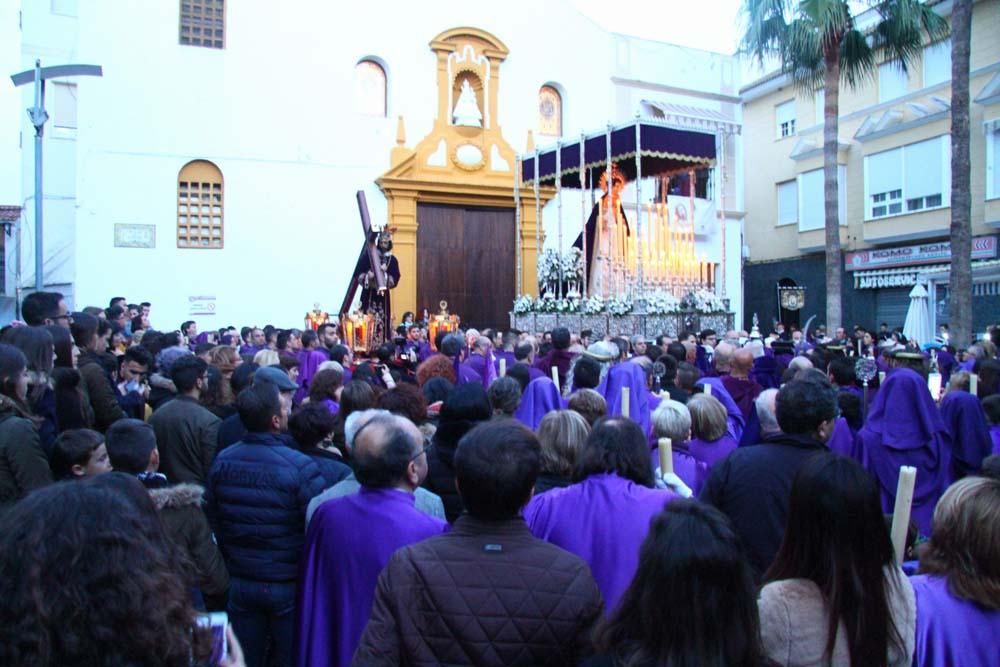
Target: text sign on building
{"type": "Point", "coordinates": [983, 247]}
{"type": "Point", "coordinates": [201, 305]}
{"type": "Point", "coordinates": [135, 236]}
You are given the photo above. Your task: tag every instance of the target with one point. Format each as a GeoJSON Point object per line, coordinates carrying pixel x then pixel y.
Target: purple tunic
{"type": "Point", "coordinates": [970, 437]}
{"type": "Point", "coordinates": [952, 632]}
{"type": "Point", "coordinates": [633, 377]}
{"type": "Point", "coordinates": [349, 542]}
{"type": "Point", "coordinates": [842, 440]}
{"type": "Point", "coordinates": [539, 399]}
{"type": "Point", "coordinates": [904, 428]}
{"type": "Point", "coordinates": [711, 453]}
{"type": "Point", "coordinates": [603, 520]}
{"type": "Point", "coordinates": [309, 361]}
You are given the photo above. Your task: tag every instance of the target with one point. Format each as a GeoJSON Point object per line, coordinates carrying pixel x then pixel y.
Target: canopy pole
{"type": "Point", "coordinates": [517, 219]}
{"type": "Point", "coordinates": [559, 235]}
{"type": "Point", "coordinates": [722, 211]}
{"type": "Point", "coordinates": [538, 223]}
{"type": "Point", "coordinates": [638, 211]}
{"type": "Point", "coordinates": [607, 207]}
{"type": "Point", "coordinates": [583, 211]}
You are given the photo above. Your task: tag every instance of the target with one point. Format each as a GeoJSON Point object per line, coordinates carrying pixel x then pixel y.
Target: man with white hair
{"type": "Point", "coordinates": [425, 501]}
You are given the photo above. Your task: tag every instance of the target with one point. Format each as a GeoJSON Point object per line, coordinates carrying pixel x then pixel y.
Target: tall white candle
{"type": "Point", "coordinates": [901, 511]}
{"type": "Point", "coordinates": [666, 448]}
{"type": "Point", "coordinates": [503, 367]}
{"type": "Point", "coordinates": [555, 377]}
{"type": "Point", "coordinates": [708, 389]}
{"type": "Point", "coordinates": [625, 402]}
{"type": "Point", "coordinates": [881, 377]}
{"type": "Point", "coordinates": [934, 384]}
{"type": "Point", "coordinates": [974, 384]}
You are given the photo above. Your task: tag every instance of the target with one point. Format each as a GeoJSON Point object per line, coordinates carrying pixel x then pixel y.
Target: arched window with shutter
{"type": "Point", "coordinates": [549, 111]}
{"type": "Point", "coordinates": [200, 205]}
{"type": "Point", "coordinates": [370, 88]}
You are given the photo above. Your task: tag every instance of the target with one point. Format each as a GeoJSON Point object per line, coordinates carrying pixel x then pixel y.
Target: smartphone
{"type": "Point", "coordinates": [216, 621]}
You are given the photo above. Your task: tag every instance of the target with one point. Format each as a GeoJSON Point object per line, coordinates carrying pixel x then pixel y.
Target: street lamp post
{"type": "Point", "coordinates": [38, 116]}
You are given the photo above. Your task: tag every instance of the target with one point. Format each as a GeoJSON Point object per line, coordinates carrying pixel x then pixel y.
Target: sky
{"type": "Point", "coordinates": [713, 25]}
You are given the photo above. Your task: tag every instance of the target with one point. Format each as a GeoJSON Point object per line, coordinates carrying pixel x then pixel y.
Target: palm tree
{"type": "Point", "coordinates": [960, 281]}
{"type": "Point", "coordinates": [818, 42]}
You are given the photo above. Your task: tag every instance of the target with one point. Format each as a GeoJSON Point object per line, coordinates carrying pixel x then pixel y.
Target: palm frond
{"type": "Point", "coordinates": [857, 59]}
{"type": "Point", "coordinates": [904, 29]}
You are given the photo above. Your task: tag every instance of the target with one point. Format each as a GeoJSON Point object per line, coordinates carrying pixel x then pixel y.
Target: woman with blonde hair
{"type": "Point", "coordinates": [266, 357]}
{"type": "Point", "coordinates": [710, 438]}
{"type": "Point", "coordinates": [561, 434]}
{"type": "Point", "coordinates": [958, 588]}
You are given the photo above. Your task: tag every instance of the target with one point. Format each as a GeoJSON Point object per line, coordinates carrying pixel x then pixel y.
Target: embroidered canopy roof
{"type": "Point", "coordinates": [663, 150]}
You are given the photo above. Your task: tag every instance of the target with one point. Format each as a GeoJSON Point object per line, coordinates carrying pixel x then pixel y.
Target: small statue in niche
{"type": "Point", "coordinates": [467, 111]}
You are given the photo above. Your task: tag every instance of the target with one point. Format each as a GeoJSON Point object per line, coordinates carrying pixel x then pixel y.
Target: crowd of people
{"type": "Point", "coordinates": [492, 497]}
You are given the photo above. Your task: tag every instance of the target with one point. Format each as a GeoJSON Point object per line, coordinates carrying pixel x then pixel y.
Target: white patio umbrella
{"type": "Point", "coordinates": [917, 326]}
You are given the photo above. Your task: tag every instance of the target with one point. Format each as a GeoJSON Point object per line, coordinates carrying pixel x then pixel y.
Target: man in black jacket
{"type": "Point", "coordinates": [752, 484]}
{"type": "Point", "coordinates": [488, 592]}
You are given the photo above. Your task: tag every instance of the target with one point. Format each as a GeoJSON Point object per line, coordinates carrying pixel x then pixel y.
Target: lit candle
{"type": "Point", "coordinates": [555, 377]}
{"type": "Point", "coordinates": [503, 367]}
{"type": "Point", "coordinates": [666, 448]}
{"type": "Point", "coordinates": [625, 402]}
{"type": "Point", "coordinates": [708, 389]}
{"type": "Point", "coordinates": [901, 511]}
{"type": "Point", "coordinates": [974, 384]}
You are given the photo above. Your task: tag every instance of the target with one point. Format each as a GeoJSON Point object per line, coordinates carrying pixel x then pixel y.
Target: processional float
{"type": "Point", "coordinates": [660, 255]}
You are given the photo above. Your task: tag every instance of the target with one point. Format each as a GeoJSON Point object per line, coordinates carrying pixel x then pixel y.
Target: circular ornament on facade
{"type": "Point", "coordinates": [469, 157]}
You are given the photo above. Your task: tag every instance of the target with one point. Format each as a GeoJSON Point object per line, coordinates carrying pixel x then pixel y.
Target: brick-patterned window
{"type": "Point", "coordinates": [203, 23]}
{"type": "Point", "coordinates": [549, 112]}
{"type": "Point", "coordinates": [199, 206]}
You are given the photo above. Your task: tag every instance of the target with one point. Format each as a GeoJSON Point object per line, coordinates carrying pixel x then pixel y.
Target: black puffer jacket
{"type": "Point", "coordinates": [257, 493]}
{"type": "Point", "coordinates": [486, 593]}
{"type": "Point", "coordinates": [23, 466]}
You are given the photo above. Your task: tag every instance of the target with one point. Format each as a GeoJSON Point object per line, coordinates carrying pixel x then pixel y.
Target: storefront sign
{"type": "Point", "coordinates": [983, 247]}
{"type": "Point", "coordinates": [880, 281]}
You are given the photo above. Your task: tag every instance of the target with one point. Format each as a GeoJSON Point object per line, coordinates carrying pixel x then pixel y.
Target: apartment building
{"type": "Point", "coordinates": [895, 181]}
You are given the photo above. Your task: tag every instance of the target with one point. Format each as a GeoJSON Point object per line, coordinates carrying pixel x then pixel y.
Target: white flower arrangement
{"type": "Point", "coordinates": [572, 265]}
{"type": "Point", "coordinates": [523, 304]}
{"type": "Point", "coordinates": [662, 303]}
{"type": "Point", "coordinates": [592, 306]}
{"type": "Point", "coordinates": [703, 301]}
{"type": "Point", "coordinates": [549, 264]}
{"type": "Point", "coordinates": [618, 306]}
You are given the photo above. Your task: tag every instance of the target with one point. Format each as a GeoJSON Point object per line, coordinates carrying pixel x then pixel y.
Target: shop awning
{"type": "Point", "coordinates": [663, 150]}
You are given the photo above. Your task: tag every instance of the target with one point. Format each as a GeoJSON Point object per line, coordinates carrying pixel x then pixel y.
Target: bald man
{"type": "Point", "coordinates": [743, 388]}
{"type": "Point", "coordinates": [350, 539]}
{"type": "Point", "coordinates": [722, 358]}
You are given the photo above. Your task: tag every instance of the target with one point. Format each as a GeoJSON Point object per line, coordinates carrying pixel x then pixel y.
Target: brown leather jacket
{"type": "Point", "coordinates": [486, 593]}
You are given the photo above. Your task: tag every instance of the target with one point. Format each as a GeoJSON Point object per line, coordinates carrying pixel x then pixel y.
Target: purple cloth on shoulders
{"type": "Point", "coordinates": [843, 441]}
{"type": "Point", "coordinates": [603, 520]}
{"type": "Point", "coordinates": [970, 436]}
{"type": "Point", "coordinates": [736, 419]}
{"type": "Point", "coordinates": [561, 359]}
{"type": "Point", "coordinates": [952, 632]}
{"type": "Point", "coordinates": [309, 361]}
{"type": "Point", "coordinates": [534, 374]}
{"type": "Point", "coordinates": [348, 543]}
{"type": "Point", "coordinates": [477, 363]}
{"type": "Point", "coordinates": [904, 428]}
{"type": "Point", "coordinates": [539, 399]}
{"type": "Point", "coordinates": [691, 471]}
{"type": "Point", "coordinates": [633, 377]}
{"type": "Point", "coordinates": [765, 372]}
{"type": "Point", "coordinates": [995, 436]}
{"type": "Point", "coordinates": [503, 354]}
{"type": "Point", "coordinates": [711, 453]}
{"type": "Point", "coordinates": [331, 405]}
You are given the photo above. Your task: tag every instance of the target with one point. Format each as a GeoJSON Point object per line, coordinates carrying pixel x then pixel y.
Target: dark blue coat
{"type": "Point", "coordinates": [257, 494]}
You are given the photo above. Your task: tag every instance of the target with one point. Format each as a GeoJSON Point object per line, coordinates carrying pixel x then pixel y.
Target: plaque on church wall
{"type": "Point", "coordinates": [135, 236]}
{"type": "Point", "coordinates": [201, 305]}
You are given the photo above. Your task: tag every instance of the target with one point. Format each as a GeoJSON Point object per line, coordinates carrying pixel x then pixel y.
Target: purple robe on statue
{"type": "Point", "coordinates": [952, 632]}
{"type": "Point", "coordinates": [904, 428]}
{"type": "Point", "coordinates": [735, 416]}
{"type": "Point", "coordinates": [970, 435]}
{"type": "Point", "coordinates": [539, 399]}
{"type": "Point", "coordinates": [348, 543]}
{"type": "Point", "coordinates": [633, 377]}
{"type": "Point", "coordinates": [603, 520]}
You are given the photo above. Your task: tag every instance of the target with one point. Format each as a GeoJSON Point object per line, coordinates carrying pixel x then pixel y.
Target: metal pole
{"type": "Point", "coordinates": [538, 220]}
{"type": "Point", "coordinates": [638, 210]}
{"type": "Point", "coordinates": [608, 287]}
{"type": "Point", "coordinates": [38, 118]}
{"type": "Point", "coordinates": [722, 212]}
{"type": "Point", "coordinates": [583, 210]}
{"type": "Point", "coordinates": [559, 252]}
{"type": "Point", "coordinates": [517, 218]}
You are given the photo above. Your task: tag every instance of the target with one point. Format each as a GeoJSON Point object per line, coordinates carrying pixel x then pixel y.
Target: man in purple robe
{"type": "Point", "coordinates": [506, 350]}
{"type": "Point", "coordinates": [904, 428]}
{"type": "Point", "coordinates": [560, 356]}
{"type": "Point", "coordinates": [640, 406]}
{"type": "Point", "coordinates": [604, 517]}
{"type": "Point", "coordinates": [539, 399]}
{"type": "Point", "coordinates": [350, 540]}
{"type": "Point", "coordinates": [743, 388]}
{"type": "Point", "coordinates": [970, 435]}
{"type": "Point", "coordinates": [452, 347]}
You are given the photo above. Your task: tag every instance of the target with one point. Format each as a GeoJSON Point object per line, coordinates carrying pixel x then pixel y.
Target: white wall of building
{"type": "Point", "coordinates": [274, 111]}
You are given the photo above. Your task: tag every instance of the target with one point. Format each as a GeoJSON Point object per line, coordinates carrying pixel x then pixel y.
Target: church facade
{"type": "Point", "coordinates": [212, 170]}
